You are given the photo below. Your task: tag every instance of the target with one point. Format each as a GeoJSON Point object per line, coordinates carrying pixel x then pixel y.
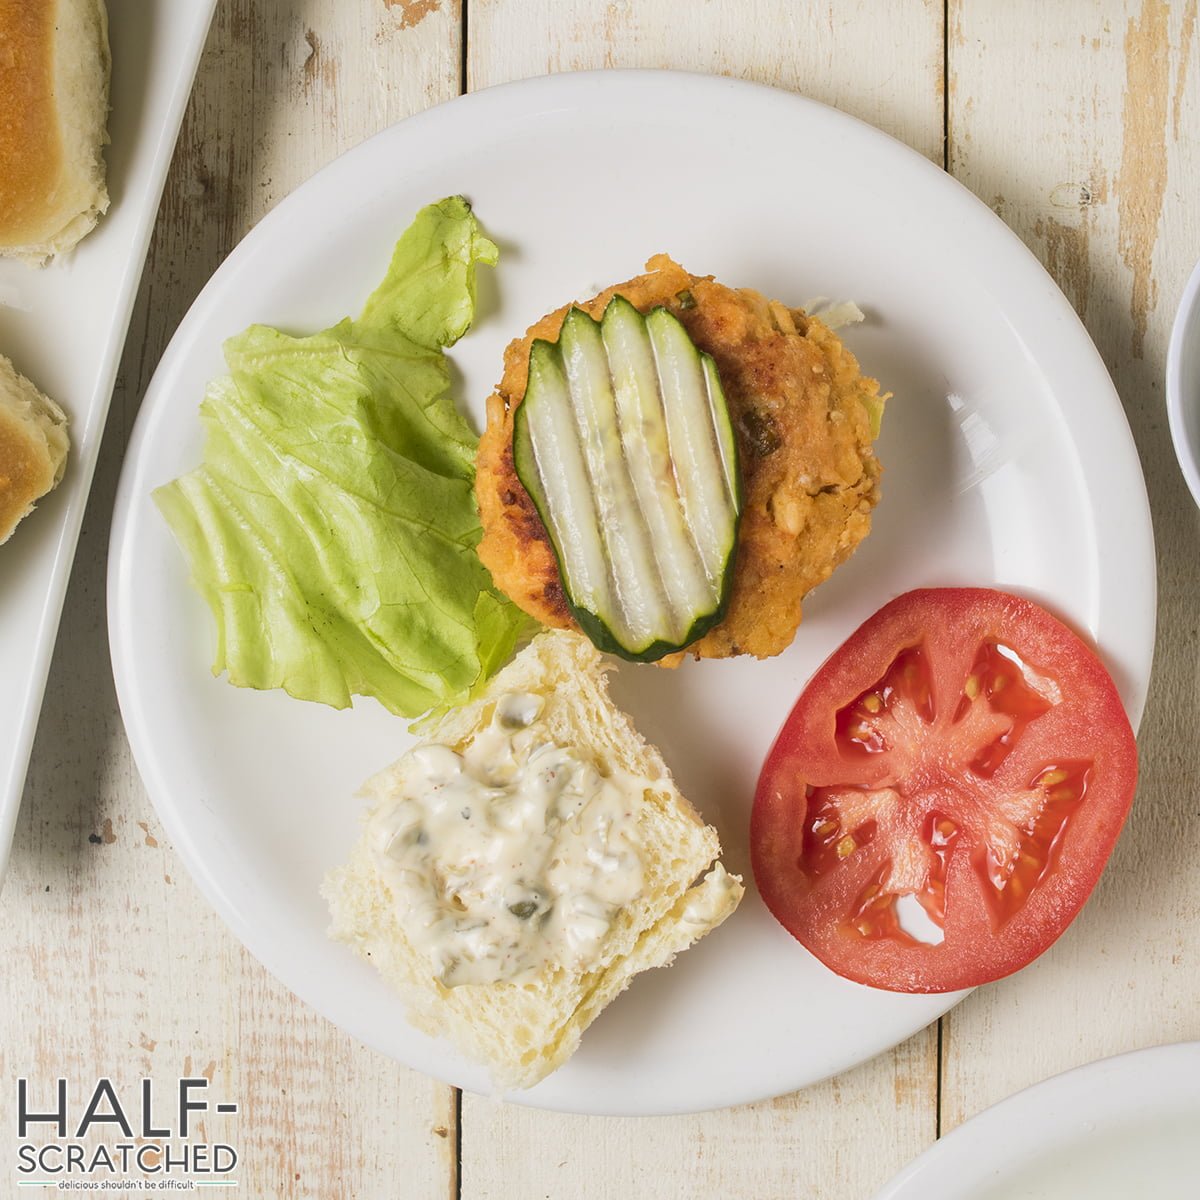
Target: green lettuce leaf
{"type": "Point", "coordinates": [332, 526]}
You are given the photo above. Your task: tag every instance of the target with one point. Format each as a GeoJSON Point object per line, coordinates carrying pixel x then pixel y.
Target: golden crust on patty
{"type": "Point", "coordinates": [809, 474]}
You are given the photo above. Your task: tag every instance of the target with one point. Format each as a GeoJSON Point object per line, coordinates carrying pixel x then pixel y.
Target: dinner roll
{"type": "Point", "coordinates": [33, 447]}
{"type": "Point", "coordinates": [523, 1029]}
{"type": "Point", "coordinates": [54, 69]}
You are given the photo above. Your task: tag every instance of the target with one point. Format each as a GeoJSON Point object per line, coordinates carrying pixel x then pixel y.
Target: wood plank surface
{"type": "Point", "coordinates": [1076, 121]}
{"type": "Point", "coordinates": [1082, 136]}
{"type": "Point", "coordinates": [116, 964]}
{"type": "Point", "coordinates": [883, 64]}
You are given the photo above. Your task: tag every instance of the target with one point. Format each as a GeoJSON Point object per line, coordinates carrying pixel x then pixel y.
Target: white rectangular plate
{"type": "Point", "coordinates": [64, 327]}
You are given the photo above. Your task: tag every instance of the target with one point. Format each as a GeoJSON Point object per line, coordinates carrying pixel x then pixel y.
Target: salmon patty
{"type": "Point", "coordinates": [802, 411]}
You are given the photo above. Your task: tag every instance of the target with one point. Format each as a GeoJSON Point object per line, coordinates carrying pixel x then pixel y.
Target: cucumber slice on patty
{"type": "Point", "coordinates": [624, 443]}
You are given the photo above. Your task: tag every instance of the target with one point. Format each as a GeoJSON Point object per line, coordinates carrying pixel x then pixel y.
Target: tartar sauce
{"type": "Point", "coordinates": [508, 857]}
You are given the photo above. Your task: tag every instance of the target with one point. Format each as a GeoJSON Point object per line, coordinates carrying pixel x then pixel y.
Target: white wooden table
{"type": "Point", "coordinates": [1079, 122]}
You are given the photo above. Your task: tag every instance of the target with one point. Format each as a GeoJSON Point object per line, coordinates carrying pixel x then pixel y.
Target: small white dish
{"type": "Point", "coordinates": [64, 327]}
{"type": "Point", "coordinates": [1007, 461]}
{"type": "Point", "coordinates": [1183, 383]}
{"type": "Point", "coordinates": [1119, 1128]}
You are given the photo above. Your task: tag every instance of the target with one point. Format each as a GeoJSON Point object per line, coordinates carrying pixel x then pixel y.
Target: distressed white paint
{"type": "Point", "coordinates": [1062, 130]}
{"type": "Point", "coordinates": [114, 964]}
{"type": "Point", "coordinates": [843, 1138]}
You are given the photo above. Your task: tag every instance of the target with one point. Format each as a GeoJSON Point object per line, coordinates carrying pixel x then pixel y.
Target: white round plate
{"type": "Point", "coordinates": [1008, 461]}
{"type": "Point", "coordinates": [1115, 1129]}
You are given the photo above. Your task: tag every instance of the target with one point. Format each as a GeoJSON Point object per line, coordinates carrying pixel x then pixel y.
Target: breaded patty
{"type": "Point", "coordinates": [810, 478]}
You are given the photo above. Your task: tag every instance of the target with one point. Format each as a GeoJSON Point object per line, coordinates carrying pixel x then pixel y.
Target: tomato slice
{"type": "Point", "coordinates": [945, 793]}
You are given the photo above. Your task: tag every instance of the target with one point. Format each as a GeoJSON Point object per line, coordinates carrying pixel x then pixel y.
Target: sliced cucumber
{"type": "Point", "coordinates": [625, 445]}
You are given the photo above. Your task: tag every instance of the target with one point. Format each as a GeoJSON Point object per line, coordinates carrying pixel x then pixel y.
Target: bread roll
{"type": "Point", "coordinates": [54, 68]}
{"type": "Point", "coordinates": [33, 447]}
{"type": "Point", "coordinates": [522, 1030]}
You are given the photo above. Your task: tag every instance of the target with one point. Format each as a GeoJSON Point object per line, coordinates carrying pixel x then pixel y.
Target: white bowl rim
{"type": "Point", "coordinates": [1187, 453]}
